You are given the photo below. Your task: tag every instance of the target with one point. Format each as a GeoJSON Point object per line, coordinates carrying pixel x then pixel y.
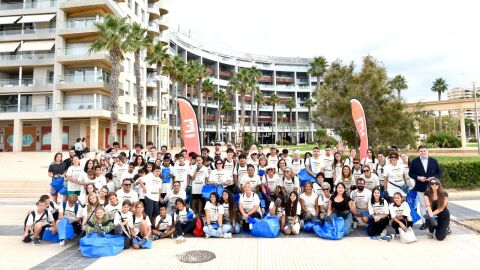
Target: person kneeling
{"type": "Point", "coordinates": [292, 211]}
{"type": "Point", "coordinates": [142, 227]}
{"type": "Point", "coordinates": [37, 222]}
{"type": "Point", "coordinates": [378, 218]}
{"type": "Point", "coordinates": [213, 217]}
{"type": "Point", "coordinates": [100, 223]}
{"type": "Point", "coordinates": [163, 226]}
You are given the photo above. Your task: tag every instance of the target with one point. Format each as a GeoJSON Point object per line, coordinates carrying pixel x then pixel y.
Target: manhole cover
{"type": "Point", "coordinates": [196, 256]}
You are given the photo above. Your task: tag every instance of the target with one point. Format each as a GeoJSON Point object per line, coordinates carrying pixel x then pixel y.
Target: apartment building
{"type": "Point", "coordinates": [52, 91]}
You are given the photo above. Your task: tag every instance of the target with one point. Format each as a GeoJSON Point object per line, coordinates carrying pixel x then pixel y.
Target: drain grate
{"type": "Point", "coordinates": [196, 256]}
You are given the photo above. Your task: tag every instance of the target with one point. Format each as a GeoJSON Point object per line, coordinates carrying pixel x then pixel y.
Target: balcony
{"type": "Point", "coordinates": [152, 101]}
{"type": "Point", "coordinates": [10, 34]}
{"type": "Point", "coordinates": [85, 81]}
{"type": "Point", "coordinates": [42, 4]}
{"type": "Point", "coordinates": [27, 59]}
{"type": "Point", "coordinates": [151, 82]}
{"type": "Point", "coordinates": [265, 79]}
{"type": "Point", "coordinates": [163, 23]}
{"type": "Point", "coordinates": [154, 11]}
{"type": "Point", "coordinates": [284, 79]}
{"type": "Point", "coordinates": [163, 7]}
{"type": "Point", "coordinates": [225, 74]}
{"type": "Point", "coordinates": [153, 29]}
{"type": "Point", "coordinates": [77, 28]}
{"type": "Point", "coordinates": [26, 85]}
{"type": "Point", "coordinates": [79, 55]}
{"type": "Point", "coordinates": [103, 6]}
{"type": "Point", "coordinates": [164, 39]}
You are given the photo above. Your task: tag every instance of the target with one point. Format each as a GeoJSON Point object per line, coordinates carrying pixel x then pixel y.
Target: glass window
{"type": "Point", "coordinates": [127, 108]}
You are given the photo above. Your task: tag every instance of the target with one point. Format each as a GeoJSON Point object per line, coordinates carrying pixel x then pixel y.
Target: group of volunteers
{"type": "Point", "coordinates": [152, 194]}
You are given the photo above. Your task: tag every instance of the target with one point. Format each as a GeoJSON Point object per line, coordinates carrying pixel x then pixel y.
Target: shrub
{"type": "Point", "coordinates": [462, 175]}
{"type": "Point", "coordinates": [443, 140]}
{"type": "Point", "coordinates": [472, 140]}
{"type": "Point", "coordinates": [247, 140]}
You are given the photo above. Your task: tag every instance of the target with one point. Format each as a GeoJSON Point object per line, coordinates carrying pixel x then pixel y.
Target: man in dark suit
{"type": "Point", "coordinates": [421, 170]}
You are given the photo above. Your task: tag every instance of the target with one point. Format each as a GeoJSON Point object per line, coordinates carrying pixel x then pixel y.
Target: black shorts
{"type": "Point", "coordinates": [197, 196]}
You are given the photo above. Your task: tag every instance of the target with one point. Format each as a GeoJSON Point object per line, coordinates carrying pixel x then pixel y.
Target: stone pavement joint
{"type": "Point", "coordinates": [70, 258]}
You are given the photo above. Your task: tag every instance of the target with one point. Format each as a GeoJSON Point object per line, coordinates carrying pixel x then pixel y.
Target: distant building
{"type": "Point", "coordinates": [461, 93]}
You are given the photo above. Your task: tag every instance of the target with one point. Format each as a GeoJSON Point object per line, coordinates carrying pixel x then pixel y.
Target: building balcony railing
{"type": "Point", "coordinates": [27, 56]}
{"type": "Point", "coordinates": [81, 23]}
{"type": "Point", "coordinates": [28, 4]}
{"type": "Point", "coordinates": [26, 31]}
{"type": "Point", "coordinates": [24, 82]}
{"type": "Point", "coordinates": [79, 51]}
{"type": "Point", "coordinates": [69, 106]}
{"type": "Point", "coordinates": [25, 108]}
{"type": "Point", "coordinates": [8, 108]}
{"type": "Point", "coordinates": [85, 78]}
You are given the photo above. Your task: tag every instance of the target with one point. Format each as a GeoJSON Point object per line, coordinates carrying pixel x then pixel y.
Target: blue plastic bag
{"type": "Point", "coordinates": [63, 191]}
{"type": "Point", "coordinates": [48, 236]}
{"type": "Point", "coordinates": [331, 230]}
{"type": "Point", "coordinates": [305, 177]}
{"type": "Point", "coordinates": [57, 183]}
{"type": "Point", "coordinates": [269, 227]}
{"type": "Point", "coordinates": [143, 243]}
{"type": "Point", "coordinates": [412, 202]}
{"type": "Point", "coordinates": [308, 226]}
{"type": "Point", "coordinates": [166, 175]}
{"type": "Point", "coordinates": [207, 190]}
{"type": "Point", "coordinates": [65, 230]}
{"type": "Point", "coordinates": [94, 245]}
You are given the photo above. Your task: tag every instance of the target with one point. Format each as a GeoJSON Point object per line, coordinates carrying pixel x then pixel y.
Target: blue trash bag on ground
{"type": "Point", "coordinates": [65, 230]}
{"type": "Point", "coordinates": [305, 177]}
{"type": "Point", "coordinates": [207, 190]}
{"type": "Point", "coordinates": [143, 243]}
{"type": "Point", "coordinates": [308, 226]}
{"type": "Point", "coordinates": [57, 183]}
{"type": "Point", "coordinates": [269, 227]}
{"type": "Point", "coordinates": [48, 236]}
{"type": "Point", "coordinates": [412, 202]}
{"type": "Point", "coordinates": [100, 245]}
{"type": "Point", "coordinates": [331, 230]}
{"type": "Point", "coordinates": [63, 191]}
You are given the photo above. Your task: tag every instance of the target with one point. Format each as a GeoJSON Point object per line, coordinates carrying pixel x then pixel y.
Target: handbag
{"type": "Point", "coordinates": [95, 245]}
{"type": "Point", "coordinates": [408, 236]}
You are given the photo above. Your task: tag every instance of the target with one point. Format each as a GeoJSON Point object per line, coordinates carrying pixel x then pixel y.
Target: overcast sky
{"type": "Point", "coordinates": [421, 40]}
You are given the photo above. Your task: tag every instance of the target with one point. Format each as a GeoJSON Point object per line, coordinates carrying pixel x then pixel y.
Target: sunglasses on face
{"type": "Point", "coordinates": [127, 185]}
{"type": "Point", "coordinates": [356, 162]}
{"type": "Point", "coordinates": [434, 184]}
{"type": "Point", "coordinates": [393, 157]}
{"type": "Point", "coordinates": [325, 189]}
{"type": "Point", "coordinates": [366, 170]}
{"type": "Point", "coordinates": [219, 164]}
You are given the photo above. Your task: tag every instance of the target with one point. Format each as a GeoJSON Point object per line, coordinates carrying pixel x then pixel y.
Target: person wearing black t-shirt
{"type": "Point", "coordinates": [341, 206]}
{"type": "Point", "coordinates": [68, 161]}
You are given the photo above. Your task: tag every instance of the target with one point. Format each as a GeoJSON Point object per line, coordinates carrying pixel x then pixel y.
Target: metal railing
{"type": "Point", "coordinates": [28, 5]}
{"type": "Point", "coordinates": [151, 99]}
{"type": "Point", "coordinates": [23, 82]}
{"type": "Point", "coordinates": [26, 31]}
{"type": "Point", "coordinates": [85, 78]}
{"type": "Point", "coordinates": [27, 56]}
{"type": "Point", "coordinates": [79, 51]}
{"type": "Point", "coordinates": [8, 108]}
{"type": "Point", "coordinates": [81, 23]}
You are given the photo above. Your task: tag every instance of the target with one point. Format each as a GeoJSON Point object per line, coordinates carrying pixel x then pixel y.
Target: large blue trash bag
{"type": "Point", "coordinates": [305, 177]}
{"type": "Point", "coordinates": [207, 190]}
{"type": "Point", "coordinates": [331, 230]}
{"type": "Point", "coordinates": [412, 202]}
{"type": "Point", "coordinates": [65, 230]}
{"type": "Point", "coordinates": [220, 191]}
{"type": "Point", "coordinates": [57, 183]}
{"type": "Point", "coordinates": [95, 245]}
{"type": "Point", "coordinates": [308, 226]}
{"type": "Point", "coordinates": [63, 191]}
{"type": "Point", "coordinates": [166, 175]}
{"type": "Point", "coordinates": [269, 227]}
{"type": "Point", "coordinates": [143, 243]}
{"type": "Point", "coordinates": [48, 236]}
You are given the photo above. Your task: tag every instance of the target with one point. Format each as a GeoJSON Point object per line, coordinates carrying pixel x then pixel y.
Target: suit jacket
{"type": "Point", "coordinates": [416, 170]}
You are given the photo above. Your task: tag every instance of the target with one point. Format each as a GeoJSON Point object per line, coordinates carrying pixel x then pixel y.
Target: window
{"type": "Point", "coordinates": [134, 110]}
{"type": "Point", "coordinates": [50, 76]}
{"type": "Point", "coordinates": [136, 9]}
{"type": "Point", "coordinates": [127, 65]}
{"type": "Point", "coordinates": [134, 90]}
{"type": "Point", "coordinates": [127, 108]}
{"type": "Point", "coordinates": [127, 88]}
{"type": "Point", "coordinates": [48, 102]}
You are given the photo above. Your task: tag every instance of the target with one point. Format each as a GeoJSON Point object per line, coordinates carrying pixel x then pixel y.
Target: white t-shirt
{"type": "Point", "coordinates": [117, 174]}
{"type": "Point", "coordinates": [43, 218]}
{"type": "Point", "coordinates": [99, 182]}
{"type": "Point", "coordinates": [377, 209]}
{"type": "Point", "coordinates": [309, 202]}
{"type": "Point", "coordinates": [272, 161]}
{"type": "Point", "coordinates": [254, 180]}
{"type": "Point", "coordinates": [349, 182]}
{"type": "Point", "coordinates": [162, 224]}
{"type": "Point", "coordinates": [296, 165]}
{"type": "Point", "coordinates": [111, 186]}
{"type": "Point", "coordinates": [271, 183]}
{"type": "Point", "coordinates": [356, 174]}
{"type": "Point", "coordinates": [249, 202]}
{"type": "Point", "coordinates": [290, 184]}
{"type": "Point", "coordinates": [199, 180]}
{"type": "Point", "coordinates": [315, 163]}
{"type": "Point", "coordinates": [171, 197]}
{"type": "Point", "coordinates": [279, 211]}
{"type": "Point", "coordinates": [119, 216]}
{"type": "Point", "coordinates": [380, 171]}
{"type": "Point", "coordinates": [328, 166]}
{"type": "Point", "coordinates": [76, 173]}
{"type": "Point", "coordinates": [299, 210]}
{"type": "Point", "coordinates": [218, 177]}
{"type": "Point", "coordinates": [214, 211]}
{"type": "Point", "coordinates": [127, 175]}
{"type": "Point", "coordinates": [369, 162]}
{"type": "Point", "coordinates": [112, 209]}
{"type": "Point", "coordinates": [153, 185]}
{"type": "Point", "coordinates": [184, 214]}
{"type": "Point", "coordinates": [317, 188]}
{"type": "Point", "coordinates": [338, 169]}
{"type": "Point", "coordinates": [122, 196]}
{"type": "Point", "coordinates": [229, 166]}
{"type": "Point", "coordinates": [394, 175]}
{"type": "Point", "coordinates": [361, 199]}
{"type": "Point", "coordinates": [181, 174]}
{"type": "Point", "coordinates": [136, 224]}
{"type": "Point", "coordinates": [323, 201]}
{"type": "Point", "coordinates": [402, 210]}
{"type": "Point", "coordinates": [240, 172]}
{"type": "Point", "coordinates": [70, 211]}
{"type": "Point", "coordinates": [371, 182]}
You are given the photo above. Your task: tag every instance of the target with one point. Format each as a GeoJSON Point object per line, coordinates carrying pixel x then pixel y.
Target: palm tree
{"type": "Point", "coordinates": [318, 68]}
{"type": "Point", "coordinates": [220, 97]}
{"type": "Point", "coordinates": [158, 55]}
{"type": "Point", "coordinates": [174, 70]}
{"type": "Point", "coordinates": [199, 72]}
{"type": "Point", "coordinates": [254, 75]}
{"type": "Point", "coordinates": [207, 89]}
{"type": "Point", "coordinates": [189, 78]}
{"type": "Point", "coordinates": [137, 40]}
{"type": "Point", "coordinates": [227, 108]}
{"type": "Point", "coordinates": [274, 100]}
{"type": "Point", "coordinates": [240, 82]}
{"type": "Point", "coordinates": [291, 104]}
{"type": "Point", "coordinates": [439, 86]}
{"type": "Point", "coordinates": [113, 32]}
{"type": "Point", "coordinates": [260, 100]}
{"type": "Point", "coordinates": [398, 83]}
{"type": "Point", "coordinates": [309, 103]}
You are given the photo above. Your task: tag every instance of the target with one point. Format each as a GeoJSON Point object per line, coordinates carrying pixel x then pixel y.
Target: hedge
{"type": "Point", "coordinates": [464, 175]}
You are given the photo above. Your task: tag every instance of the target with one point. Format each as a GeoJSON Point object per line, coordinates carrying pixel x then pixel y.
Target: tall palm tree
{"type": "Point", "coordinates": [240, 82]}
{"type": "Point", "coordinates": [260, 100]}
{"type": "Point", "coordinates": [318, 67]}
{"type": "Point", "coordinates": [227, 108]}
{"type": "Point", "coordinates": [189, 78]}
{"type": "Point", "coordinates": [398, 83]}
{"type": "Point", "coordinates": [158, 55]}
{"type": "Point", "coordinates": [174, 70]}
{"type": "Point", "coordinates": [309, 103]}
{"type": "Point", "coordinates": [199, 72]}
{"type": "Point", "coordinates": [291, 104]}
{"type": "Point", "coordinates": [220, 97]}
{"type": "Point", "coordinates": [137, 40]}
{"type": "Point", "coordinates": [254, 75]}
{"type": "Point", "coordinates": [439, 86]}
{"type": "Point", "coordinates": [274, 100]}
{"type": "Point", "coordinates": [207, 89]}
{"type": "Point", "coordinates": [113, 32]}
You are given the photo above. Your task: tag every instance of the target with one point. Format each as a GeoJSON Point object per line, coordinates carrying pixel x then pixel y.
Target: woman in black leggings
{"type": "Point", "coordinates": [436, 201]}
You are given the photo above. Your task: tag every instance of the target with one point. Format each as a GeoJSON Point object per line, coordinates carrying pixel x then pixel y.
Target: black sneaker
{"type": "Point", "coordinates": [36, 242]}
{"type": "Point", "coordinates": [423, 227]}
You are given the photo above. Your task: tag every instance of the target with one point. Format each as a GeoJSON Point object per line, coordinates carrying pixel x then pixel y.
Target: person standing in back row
{"type": "Point", "coordinates": [422, 169]}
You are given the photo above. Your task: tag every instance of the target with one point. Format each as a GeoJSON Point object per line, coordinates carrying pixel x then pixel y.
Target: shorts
{"type": "Point", "coordinates": [43, 230]}
{"type": "Point", "coordinates": [74, 192]}
{"type": "Point", "coordinates": [197, 196]}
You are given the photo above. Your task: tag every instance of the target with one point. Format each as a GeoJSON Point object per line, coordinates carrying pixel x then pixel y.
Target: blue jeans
{"type": "Point", "coordinates": [227, 227]}
{"type": "Point", "coordinates": [213, 232]}
{"type": "Point", "coordinates": [348, 221]}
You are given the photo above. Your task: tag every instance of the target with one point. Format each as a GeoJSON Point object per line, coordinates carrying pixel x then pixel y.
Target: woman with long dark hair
{"type": "Point", "coordinates": [341, 206]}
{"type": "Point", "coordinates": [292, 213]}
{"type": "Point", "coordinates": [436, 201]}
{"type": "Point", "coordinates": [213, 217]}
{"type": "Point", "coordinates": [56, 169]}
{"type": "Point", "coordinates": [378, 218]}
{"type": "Point", "coordinates": [231, 223]}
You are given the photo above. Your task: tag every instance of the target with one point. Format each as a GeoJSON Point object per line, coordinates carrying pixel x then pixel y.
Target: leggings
{"type": "Point", "coordinates": [375, 228]}
{"type": "Point", "coordinates": [407, 223]}
{"type": "Point", "coordinates": [443, 221]}
{"type": "Point", "coordinates": [183, 228]}
{"type": "Point", "coordinates": [245, 225]}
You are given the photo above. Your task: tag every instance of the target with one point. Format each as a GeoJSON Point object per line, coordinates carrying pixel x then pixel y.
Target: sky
{"type": "Point", "coordinates": [421, 40]}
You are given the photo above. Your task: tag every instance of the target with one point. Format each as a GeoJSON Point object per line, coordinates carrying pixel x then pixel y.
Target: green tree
{"type": "Point", "coordinates": [439, 86]}
{"type": "Point", "coordinates": [253, 75]}
{"type": "Point", "coordinates": [227, 108]}
{"type": "Point", "coordinates": [274, 100]}
{"type": "Point", "coordinates": [291, 104]}
{"type": "Point", "coordinates": [190, 77]}
{"type": "Point", "coordinates": [137, 40]}
{"type": "Point", "coordinates": [260, 100]}
{"type": "Point", "coordinates": [318, 67]}
{"type": "Point", "coordinates": [220, 97]}
{"type": "Point", "coordinates": [240, 83]}
{"type": "Point", "coordinates": [387, 122]}
{"type": "Point", "coordinates": [113, 32]}
{"type": "Point", "coordinates": [398, 83]}
{"type": "Point", "coordinates": [309, 103]}
{"type": "Point", "coordinates": [207, 89]}
{"type": "Point", "coordinates": [174, 70]}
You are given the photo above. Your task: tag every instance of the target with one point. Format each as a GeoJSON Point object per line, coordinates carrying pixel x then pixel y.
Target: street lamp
{"type": "Point", "coordinates": [476, 118]}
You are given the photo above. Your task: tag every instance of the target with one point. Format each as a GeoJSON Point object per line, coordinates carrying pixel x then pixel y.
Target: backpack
{"type": "Point", "coordinates": [198, 232]}
{"type": "Point", "coordinates": [65, 206]}
{"type": "Point", "coordinates": [28, 238]}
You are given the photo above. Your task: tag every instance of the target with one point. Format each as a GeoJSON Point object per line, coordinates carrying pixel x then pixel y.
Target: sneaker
{"type": "Point", "coordinates": [430, 235]}
{"type": "Point", "coordinates": [384, 233]}
{"type": "Point", "coordinates": [423, 227]}
{"type": "Point", "coordinates": [179, 239]}
{"type": "Point", "coordinates": [182, 239]}
{"type": "Point", "coordinates": [62, 243]}
{"type": "Point", "coordinates": [155, 237]}
{"type": "Point", "coordinates": [448, 230]}
{"type": "Point", "coordinates": [227, 236]}
{"type": "Point", "coordinates": [207, 236]}
{"type": "Point", "coordinates": [36, 242]}
{"type": "Point", "coordinates": [355, 224]}
{"type": "Point", "coordinates": [250, 226]}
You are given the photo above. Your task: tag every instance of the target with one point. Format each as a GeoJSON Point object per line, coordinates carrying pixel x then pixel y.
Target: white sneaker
{"type": "Point", "coordinates": [384, 233]}
{"type": "Point", "coordinates": [227, 236]}
{"type": "Point", "coordinates": [250, 226]}
{"type": "Point", "coordinates": [62, 243]}
{"type": "Point", "coordinates": [207, 236]}
{"type": "Point", "coordinates": [179, 239]}
{"type": "Point", "coordinates": [355, 224]}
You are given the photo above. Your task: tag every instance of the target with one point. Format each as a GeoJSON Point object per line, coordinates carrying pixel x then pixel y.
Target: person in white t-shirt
{"type": "Point", "coordinates": [99, 180]}
{"type": "Point", "coordinates": [347, 179]}
{"type": "Point", "coordinates": [113, 205]}
{"type": "Point", "coordinates": [219, 176]}
{"type": "Point", "coordinates": [297, 163]}
{"type": "Point", "coordinates": [292, 214]}
{"type": "Point", "coordinates": [184, 220]}
{"type": "Point", "coordinates": [249, 205]}
{"type": "Point", "coordinates": [251, 177]}
{"type": "Point", "coordinates": [360, 196]}
{"type": "Point", "coordinates": [378, 218]}
{"type": "Point", "coordinates": [151, 185]}
{"type": "Point", "coordinates": [308, 201]}
{"type": "Point", "coordinates": [317, 186]}
{"type": "Point", "coordinates": [37, 222]}
{"type": "Point", "coordinates": [229, 164]}
{"type": "Point", "coordinates": [163, 225]}
{"type": "Point", "coordinates": [327, 167]}
{"type": "Point", "coordinates": [289, 183]}
{"type": "Point", "coordinates": [231, 223]}
{"type": "Point", "coordinates": [130, 173]}
{"type": "Point", "coordinates": [199, 176]}
{"type": "Point", "coordinates": [323, 201]}
{"type": "Point", "coordinates": [71, 210]}
{"type": "Point", "coordinates": [74, 177]}
{"type": "Point", "coordinates": [122, 221]}
{"type": "Point", "coordinates": [370, 159]}
{"type": "Point", "coordinates": [349, 159]}
{"type": "Point", "coordinates": [240, 171]}
{"type": "Point", "coordinates": [394, 177]}
{"type": "Point", "coordinates": [285, 156]}
{"type": "Point", "coordinates": [126, 193]}
{"type": "Point", "coordinates": [356, 169]}
{"type": "Point", "coordinates": [270, 186]}
{"type": "Point", "coordinates": [141, 226]}
{"type": "Point", "coordinates": [314, 164]}
{"type": "Point", "coordinates": [272, 157]}
{"type": "Point", "coordinates": [172, 197]}
{"type": "Point", "coordinates": [371, 179]}
{"type": "Point", "coordinates": [253, 160]}
{"type": "Point", "coordinates": [118, 169]}
{"type": "Point", "coordinates": [400, 213]}
{"type": "Point", "coordinates": [337, 165]}
{"type": "Point", "coordinates": [281, 166]}
{"type": "Point", "coordinates": [180, 172]}
{"type": "Point", "coordinates": [213, 217]}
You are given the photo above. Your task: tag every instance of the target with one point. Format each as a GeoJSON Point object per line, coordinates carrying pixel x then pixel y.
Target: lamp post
{"type": "Point", "coordinates": [476, 118]}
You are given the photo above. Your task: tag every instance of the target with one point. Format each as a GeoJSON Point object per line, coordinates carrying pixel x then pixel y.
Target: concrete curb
{"type": "Point", "coordinates": [461, 223]}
